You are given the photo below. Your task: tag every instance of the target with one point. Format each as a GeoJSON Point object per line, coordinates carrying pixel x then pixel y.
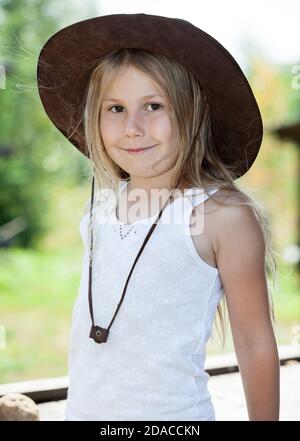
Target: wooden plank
{"type": "Point", "coordinates": [46, 389]}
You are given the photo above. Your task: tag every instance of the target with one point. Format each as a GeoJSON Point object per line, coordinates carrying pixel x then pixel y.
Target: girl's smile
{"type": "Point", "coordinates": [140, 150]}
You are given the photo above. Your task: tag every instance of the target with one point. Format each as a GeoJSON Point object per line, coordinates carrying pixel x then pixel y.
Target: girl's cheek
{"type": "Point", "coordinates": [107, 126]}
{"type": "Point", "coordinates": [108, 119]}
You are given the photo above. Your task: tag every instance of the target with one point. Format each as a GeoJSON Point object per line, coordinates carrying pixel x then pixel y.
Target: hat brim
{"type": "Point", "coordinates": [68, 58]}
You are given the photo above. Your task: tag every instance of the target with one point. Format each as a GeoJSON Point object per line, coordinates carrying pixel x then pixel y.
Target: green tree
{"type": "Point", "coordinates": [38, 156]}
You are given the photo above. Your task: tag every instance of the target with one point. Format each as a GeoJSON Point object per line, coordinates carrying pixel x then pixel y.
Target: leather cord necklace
{"type": "Point", "coordinates": [97, 333]}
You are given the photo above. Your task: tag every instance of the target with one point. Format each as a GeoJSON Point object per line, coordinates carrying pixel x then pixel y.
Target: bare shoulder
{"type": "Point", "coordinates": [227, 215]}
{"type": "Point", "coordinates": [230, 206]}
{"type": "Point", "coordinates": [235, 220]}
{"type": "Point", "coordinates": [225, 199]}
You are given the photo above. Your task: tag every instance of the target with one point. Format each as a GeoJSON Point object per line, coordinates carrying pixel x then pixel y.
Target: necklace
{"type": "Point", "coordinates": [122, 227]}
{"type": "Point", "coordinates": [97, 333]}
{"type": "Point", "coordinates": [121, 231]}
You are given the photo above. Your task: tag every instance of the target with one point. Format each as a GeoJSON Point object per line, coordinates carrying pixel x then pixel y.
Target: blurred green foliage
{"type": "Point", "coordinates": [40, 155]}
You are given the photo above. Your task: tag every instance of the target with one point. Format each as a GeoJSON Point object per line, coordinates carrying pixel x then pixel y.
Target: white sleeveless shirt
{"type": "Point", "coordinates": [152, 364]}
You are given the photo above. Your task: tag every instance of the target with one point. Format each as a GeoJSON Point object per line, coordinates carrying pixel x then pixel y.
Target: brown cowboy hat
{"type": "Point", "coordinates": [68, 58]}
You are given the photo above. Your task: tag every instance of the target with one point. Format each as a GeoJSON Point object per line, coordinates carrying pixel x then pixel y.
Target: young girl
{"type": "Point", "coordinates": [168, 122]}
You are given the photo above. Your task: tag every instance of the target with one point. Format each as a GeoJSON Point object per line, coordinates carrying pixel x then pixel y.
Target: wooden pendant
{"type": "Point", "coordinates": [99, 334]}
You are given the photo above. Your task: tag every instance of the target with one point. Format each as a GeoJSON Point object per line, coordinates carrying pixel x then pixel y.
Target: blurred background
{"type": "Point", "coordinates": [43, 178]}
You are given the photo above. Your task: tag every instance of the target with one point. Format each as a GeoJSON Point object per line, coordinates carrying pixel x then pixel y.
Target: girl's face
{"type": "Point", "coordinates": [129, 119]}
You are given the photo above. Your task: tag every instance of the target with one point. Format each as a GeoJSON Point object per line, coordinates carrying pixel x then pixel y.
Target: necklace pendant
{"type": "Point", "coordinates": [99, 334]}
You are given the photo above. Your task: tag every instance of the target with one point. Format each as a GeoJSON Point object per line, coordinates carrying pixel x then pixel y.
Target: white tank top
{"type": "Point", "coordinates": [152, 364]}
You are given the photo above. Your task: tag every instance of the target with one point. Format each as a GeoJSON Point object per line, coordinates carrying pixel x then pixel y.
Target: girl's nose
{"type": "Point", "coordinates": [134, 125]}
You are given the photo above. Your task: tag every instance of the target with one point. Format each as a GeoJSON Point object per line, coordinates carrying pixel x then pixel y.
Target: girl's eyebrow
{"type": "Point", "coordinates": [143, 97]}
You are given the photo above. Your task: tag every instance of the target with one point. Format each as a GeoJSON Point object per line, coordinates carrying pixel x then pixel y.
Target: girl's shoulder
{"type": "Point", "coordinates": [229, 204]}
{"type": "Point", "coordinates": [222, 199]}
{"type": "Point", "coordinates": [225, 210]}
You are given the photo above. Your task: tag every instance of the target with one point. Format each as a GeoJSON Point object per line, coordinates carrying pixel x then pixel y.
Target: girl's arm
{"type": "Point", "coordinates": [240, 254]}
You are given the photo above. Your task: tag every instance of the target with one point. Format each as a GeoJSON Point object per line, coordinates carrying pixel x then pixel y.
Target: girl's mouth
{"type": "Point", "coordinates": [142, 150]}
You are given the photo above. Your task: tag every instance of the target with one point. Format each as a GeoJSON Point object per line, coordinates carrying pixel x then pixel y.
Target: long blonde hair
{"type": "Point", "coordinates": [198, 163]}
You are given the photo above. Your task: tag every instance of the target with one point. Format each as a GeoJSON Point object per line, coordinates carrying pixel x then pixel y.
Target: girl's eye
{"type": "Point", "coordinates": [154, 104]}
{"type": "Point", "coordinates": [149, 104]}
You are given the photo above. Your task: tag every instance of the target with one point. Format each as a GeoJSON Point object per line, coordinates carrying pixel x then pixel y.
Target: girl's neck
{"type": "Point", "coordinates": [151, 186]}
